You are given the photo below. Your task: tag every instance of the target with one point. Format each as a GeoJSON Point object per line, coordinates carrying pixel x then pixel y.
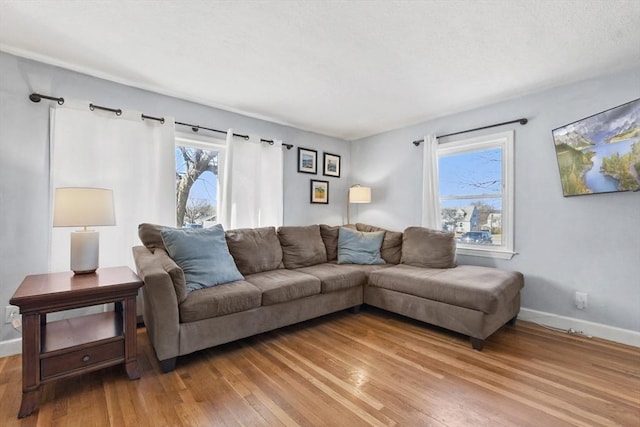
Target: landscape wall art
{"type": "Point", "coordinates": [600, 153]}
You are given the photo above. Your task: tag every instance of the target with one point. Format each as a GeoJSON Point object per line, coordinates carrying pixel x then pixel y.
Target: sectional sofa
{"type": "Point", "coordinates": [293, 274]}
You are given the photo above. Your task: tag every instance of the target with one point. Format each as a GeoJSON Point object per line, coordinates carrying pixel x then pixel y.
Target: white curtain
{"type": "Point", "coordinates": [252, 186]}
{"type": "Point", "coordinates": [430, 194]}
{"type": "Point", "coordinates": [133, 157]}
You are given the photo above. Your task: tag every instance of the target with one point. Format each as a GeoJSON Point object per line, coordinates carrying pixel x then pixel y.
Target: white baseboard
{"type": "Point", "coordinates": [10, 347]}
{"type": "Point", "coordinates": [611, 333]}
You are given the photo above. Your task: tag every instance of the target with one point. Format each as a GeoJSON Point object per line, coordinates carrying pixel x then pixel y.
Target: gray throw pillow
{"type": "Point", "coordinates": [423, 247]}
{"type": "Point", "coordinates": [359, 247]}
{"type": "Point", "coordinates": [203, 256]}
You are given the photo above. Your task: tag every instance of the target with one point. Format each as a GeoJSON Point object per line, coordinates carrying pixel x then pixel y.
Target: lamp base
{"type": "Point", "coordinates": [85, 251]}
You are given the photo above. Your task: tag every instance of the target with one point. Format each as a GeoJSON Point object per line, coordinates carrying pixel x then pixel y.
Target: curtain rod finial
{"type": "Point", "coordinates": [34, 97]}
{"type": "Point", "coordinates": [417, 143]}
{"type": "Point", "coordinates": [524, 121]}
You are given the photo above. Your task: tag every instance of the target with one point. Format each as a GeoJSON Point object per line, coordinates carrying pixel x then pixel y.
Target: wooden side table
{"type": "Point", "coordinates": [68, 347]}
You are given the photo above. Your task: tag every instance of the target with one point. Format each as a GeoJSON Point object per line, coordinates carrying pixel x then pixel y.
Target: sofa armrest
{"type": "Point", "coordinates": [161, 312]}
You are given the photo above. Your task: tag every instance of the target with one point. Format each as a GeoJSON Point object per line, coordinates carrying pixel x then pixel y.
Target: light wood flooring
{"type": "Point", "coordinates": [371, 368]}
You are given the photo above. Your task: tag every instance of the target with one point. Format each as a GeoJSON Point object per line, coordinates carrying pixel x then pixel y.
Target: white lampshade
{"type": "Point", "coordinates": [358, 194]}
{"type": "Point", "coordinates": [83, 207]}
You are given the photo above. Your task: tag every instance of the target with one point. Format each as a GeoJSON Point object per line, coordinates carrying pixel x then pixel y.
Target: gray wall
{"type": "Point", "coordinates": [24, 159]}
{"type": "Point", "coordinates": [587, 243]}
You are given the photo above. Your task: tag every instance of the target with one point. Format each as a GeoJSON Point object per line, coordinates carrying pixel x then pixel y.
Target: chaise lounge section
{"type": "Point", "coordinates": [294, 274]}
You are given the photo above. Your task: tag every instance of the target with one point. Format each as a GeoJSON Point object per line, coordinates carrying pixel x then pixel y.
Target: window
{"type": "Point", "coordinates": [199, 162]}
{"type": "Point", "coordinates": [475, 180]}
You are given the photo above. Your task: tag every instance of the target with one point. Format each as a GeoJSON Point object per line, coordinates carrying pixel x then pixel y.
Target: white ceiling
{"type": "Point", "coordinates": [342, 68]}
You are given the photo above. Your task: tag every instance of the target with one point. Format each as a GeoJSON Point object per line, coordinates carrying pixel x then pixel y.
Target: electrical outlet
{"type": "Point", "coordinates": [581, 300]}
{"type": "Point", "coordinates": [11, 312]}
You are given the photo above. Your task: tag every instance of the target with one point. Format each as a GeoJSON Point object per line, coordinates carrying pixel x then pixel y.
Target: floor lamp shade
{"type": "Point", "coordinates": [357, 194]}
{"type": "Point", "coordinates": [83, 207]}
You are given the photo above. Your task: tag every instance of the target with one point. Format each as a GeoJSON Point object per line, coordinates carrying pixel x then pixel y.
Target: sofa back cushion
{"type": "Point", "coordinates": [301, 246]}
{"type": "Point", "coordinates": [255, 249]}
{"type": "Point", "coordinates": [359, 247]}
{"type": "Point", "coordinates": [150, 235]}
{"type": "Point", "coordinates": [391, 249]}
{"type": "Point", "coordinates": [423, 247]}
{"type": "Point", "coordinates": [202, 254]}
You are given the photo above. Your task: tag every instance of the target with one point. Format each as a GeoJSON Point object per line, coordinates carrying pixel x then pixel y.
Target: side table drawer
{"type": "Point", "coordinates": [80, 359]}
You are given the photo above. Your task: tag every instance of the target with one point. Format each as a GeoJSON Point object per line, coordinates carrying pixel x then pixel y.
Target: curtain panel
{"type": "Point", "coordinates": [133, 157]}
{"type": "Point", "coordinates": [430, 193]}
{"type": "Point", "coordinates": [252, 186]}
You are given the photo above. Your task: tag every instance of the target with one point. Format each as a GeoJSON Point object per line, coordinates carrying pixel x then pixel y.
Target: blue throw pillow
{"type": "Point", "coordinates": [203, 255]}
{"type": "Point", "coordinates": [359, 247]}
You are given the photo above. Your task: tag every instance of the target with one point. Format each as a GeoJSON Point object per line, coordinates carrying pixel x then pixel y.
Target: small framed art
{"type": "Point", "coordinates": [331, 165]}
{"type": "Point", "coordinates": [307, 160]}
{"type": "Point", "coordinates": [319, 191]}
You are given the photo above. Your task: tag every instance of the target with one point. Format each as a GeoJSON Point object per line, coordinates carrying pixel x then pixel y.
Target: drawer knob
{"type": "Point", "coordinates": [85, 358]}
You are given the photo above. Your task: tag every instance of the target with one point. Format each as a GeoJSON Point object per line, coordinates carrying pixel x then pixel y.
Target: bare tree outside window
{"type": "Point", "coordinates": [196, 186]}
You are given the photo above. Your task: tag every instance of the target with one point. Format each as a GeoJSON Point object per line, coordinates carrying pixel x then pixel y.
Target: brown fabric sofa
{"type": "Point", "coordinates": [291, 275]}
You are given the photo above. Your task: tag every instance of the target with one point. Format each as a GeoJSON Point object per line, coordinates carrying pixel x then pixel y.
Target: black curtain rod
{"type": "Point", "coordinates": [36, 97]}
{"type": "Point", "coordinates": [521, 121]}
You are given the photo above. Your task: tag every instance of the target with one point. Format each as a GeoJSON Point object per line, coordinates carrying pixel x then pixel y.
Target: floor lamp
{"type": "Point", "coordinates": [357, 194]}
{"type": "Point", "coordinates": [83, 207]}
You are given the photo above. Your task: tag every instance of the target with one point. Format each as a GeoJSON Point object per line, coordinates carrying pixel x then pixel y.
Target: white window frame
{"type": "Point", "coordinates": [209, 143]}
{"type": "Point", "coordinates": [505, 141]}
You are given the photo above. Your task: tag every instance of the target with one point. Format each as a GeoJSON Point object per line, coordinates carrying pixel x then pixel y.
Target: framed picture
{"type": "Point", "coordinates": [600, 153]}
{"type": "Point", "coordinates": [319, 191]}
{"type": "Point", "coordinates": [331, 165]}
{"type": "Point", "coordinates": [307, 160]}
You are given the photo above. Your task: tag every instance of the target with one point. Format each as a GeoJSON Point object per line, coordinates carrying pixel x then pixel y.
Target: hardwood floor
{"type": "Point", "coordinates": [371, 368]}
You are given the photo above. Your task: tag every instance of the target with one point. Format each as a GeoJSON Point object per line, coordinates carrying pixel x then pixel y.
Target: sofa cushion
{"type": "Point", "coordinates": [391, 250]}
{"type": "Point", "coordinates": [220, 300]}
{"type": "Point", "coordinates": [301, 246]}
{"type": "Point", "coordinates": [202, 254]}
{"type": "Point", "coordinates": [359, 247]}
{"type": "Point", "coordinates": [367, 269]}
{"type": "Point", "coordinates": [284, 285]}
{"type": "Point", "coordinates": [255, 249]}
{"type": "Point", "coordinates": [151, 235]}
{"type": "Point", "coordinates": [478, 288]}
{"type": "Point", "coordinates": [423, 247]}
{"type": "Point", "coordinates": [329, 235]}
{"type": "Point", "coordinates": [335, 277]}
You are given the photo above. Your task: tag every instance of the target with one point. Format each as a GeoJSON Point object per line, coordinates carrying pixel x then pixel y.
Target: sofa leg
{"type": "Point", "coordinates": [168, 365]}
{"type": "Point", "coordinates": [477, 343]}
{"type": "Point", "coordinates": [512, 322]}
{"type": "Point", "coordinates": [355, 309]}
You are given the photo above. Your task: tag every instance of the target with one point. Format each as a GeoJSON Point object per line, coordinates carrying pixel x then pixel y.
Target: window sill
{"type": "Point", "coordinates": [497, 253]}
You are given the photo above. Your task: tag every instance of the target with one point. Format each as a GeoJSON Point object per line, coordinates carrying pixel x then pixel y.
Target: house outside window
{"type": "Point", "coordinates": [199, 163]}
{"type": "Point", "coordinates": [475, 181]}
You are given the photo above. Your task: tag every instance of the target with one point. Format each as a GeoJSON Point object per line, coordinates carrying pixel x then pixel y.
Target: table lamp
{"type": "Point", "coordinates": [357, 194]}
{"type": "Point", "coordinates": [83, 207]}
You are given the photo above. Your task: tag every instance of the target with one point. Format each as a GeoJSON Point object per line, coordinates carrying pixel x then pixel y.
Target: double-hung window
{"type": "Point", "coordinates": [475, 182]}
{"type": "Point", "coordinates": [199, 164]}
